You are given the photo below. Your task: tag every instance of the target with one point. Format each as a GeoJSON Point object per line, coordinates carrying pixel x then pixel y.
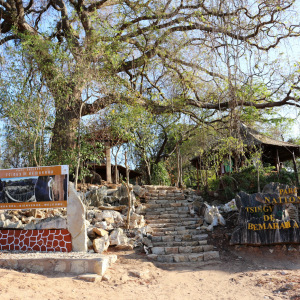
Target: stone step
{"type": "Point", "coordinates": [153, 224]}
{"type": "Point", "coordinates": [165, 201]}
{"type": "Point", "coordinates": [167, 204]}
{"type": "Point", "coordinates": [181, 249]}
{"type": "Point", "coordinates": [173, 220]}
{"type": "Point", "coordinates": [58, 262]}
{"type": "Point", "coordinates": [174, 228]}
{"type": "Point", "coordinates": [161, 187]}
{"type": "Point", "coordinates": [186, 257]}
{"type": "Point", "coordinates": [176, 238]}
{"type": "Point", "coordinates": [179, 244]}
{"type": "Point", "coordinates": [171, 223]}
{"type": "Point", "coordinates": [163, 210]}
{"type": "Point", "coordinates": [170, 216]}
{"type": "Point", "coordinates": [179, 232]}
{"type": "Point", "coordinates": [163, 193]}
{"type": "Point", "coordinates": [179, 238]}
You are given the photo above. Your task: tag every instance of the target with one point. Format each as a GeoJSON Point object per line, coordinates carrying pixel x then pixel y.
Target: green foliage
{"type": "Point", "coordinates": [160, 175]}
{"type": "Point", "coordinates": [246, 180]}
{"type": "Point", "coordinates": [27, 112]}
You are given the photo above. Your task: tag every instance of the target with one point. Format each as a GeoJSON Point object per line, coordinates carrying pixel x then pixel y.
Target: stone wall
{"type": "Point", "coordinates": [36, 240]}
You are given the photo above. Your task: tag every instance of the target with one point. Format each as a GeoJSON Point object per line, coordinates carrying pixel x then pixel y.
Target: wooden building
{"type": "Point", "coordinates": [273, 152]}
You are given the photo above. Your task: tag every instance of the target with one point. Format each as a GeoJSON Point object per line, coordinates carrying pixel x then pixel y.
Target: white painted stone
{"type": "Point", "coordinates": [76, 221]}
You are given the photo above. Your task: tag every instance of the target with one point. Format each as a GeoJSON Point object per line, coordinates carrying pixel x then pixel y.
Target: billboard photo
{"type": "Point", "coordinates": [37, 187]}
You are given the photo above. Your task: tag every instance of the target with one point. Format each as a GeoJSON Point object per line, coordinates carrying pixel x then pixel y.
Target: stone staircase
{"type": "Point", "coordinates": [175, 237]}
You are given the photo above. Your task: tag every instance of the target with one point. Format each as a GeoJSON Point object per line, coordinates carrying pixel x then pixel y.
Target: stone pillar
{"type": "Point", "coordinates": [76, 221]}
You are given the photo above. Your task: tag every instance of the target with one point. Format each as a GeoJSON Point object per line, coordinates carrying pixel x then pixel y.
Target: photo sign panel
{"type": "Point", "coordinates": [37, 187]}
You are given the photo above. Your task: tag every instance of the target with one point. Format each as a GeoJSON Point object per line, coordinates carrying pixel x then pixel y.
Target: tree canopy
{"type": "Point", "coordinates": [204, 58]}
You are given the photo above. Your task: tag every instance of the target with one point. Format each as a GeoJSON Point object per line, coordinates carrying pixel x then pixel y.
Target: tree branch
{"type": "Point", "coordinates": [8, 38]}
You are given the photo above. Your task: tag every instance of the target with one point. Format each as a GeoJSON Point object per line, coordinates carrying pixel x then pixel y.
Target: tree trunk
{"type": "Point", "coordinates": [148, 172]}
{"type": "Point", "coordinates": [64, 134]}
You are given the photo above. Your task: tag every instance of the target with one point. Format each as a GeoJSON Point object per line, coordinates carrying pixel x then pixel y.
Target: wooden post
{"type": "Point", "coordinates": [295, 169]}
{"type": "Point", "coordinates": [127, 185]}
{"type": "Point", "coordinates": [108, 162]}
{"type": "Point", "coordinates": [116, 167]}
{"type": "Point", "coordinates": [277, 161]}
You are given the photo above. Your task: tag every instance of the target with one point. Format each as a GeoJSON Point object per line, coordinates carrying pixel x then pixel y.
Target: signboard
{"type": "Point", "coordinates": [37, 187]}
{"type": "Point", "coordinates": [270, 217]}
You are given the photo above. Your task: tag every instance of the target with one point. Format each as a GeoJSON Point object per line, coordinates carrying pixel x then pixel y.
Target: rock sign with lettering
{"type": "Point", "coordinates": [268, 218]}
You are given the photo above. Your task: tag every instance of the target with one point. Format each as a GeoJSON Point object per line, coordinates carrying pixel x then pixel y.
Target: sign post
{"type": "Point", "coordinates": [38, 187]}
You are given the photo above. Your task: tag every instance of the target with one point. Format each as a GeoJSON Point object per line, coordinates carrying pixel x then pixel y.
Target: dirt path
{"type": "Point", "coordinates": [134, 277]}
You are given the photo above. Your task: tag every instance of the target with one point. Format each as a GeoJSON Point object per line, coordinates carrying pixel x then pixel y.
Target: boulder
{"type": "Point", "coordinates": [2, 217]}
{"type": "Point", "coordinates": [139, 191]}
{"type": "Point", "coordinates": [8, 224]}
{"type": "Point", "coordinates": [122, 191]}
{"type": "Point", "coordinates": [90, 214]}
{"type": "Point", "coordinates": [101, 244]}
{"type": "Point", "coordinates": [110, 216]}
{"type": "Point", "coordinates": [110, 200]}
{"type": "Point", "coordinates": [76, 221]}
{"type": "Point", "coordinates": [56, 222]}
{"type": "Point", "coordinates": [91, 233]}
{"type": "Point", "coordinates": [89, 244]}
{"type": "Point", "coordinates": [103, 225]}
{"type": "Point", "coordinates": [140, 209]}
{"type": "Point", "coordinates": [100, 231]}
{"type": "Point", "coordinates": [96, 196]}
{"type": "Point", "coordinates": [136, 221]}
{"type": "Point", "coordinates": [118, 238]}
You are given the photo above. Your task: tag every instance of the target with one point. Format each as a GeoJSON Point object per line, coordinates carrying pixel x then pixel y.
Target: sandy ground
{"type": "Point", "coordinates": [243, 275]}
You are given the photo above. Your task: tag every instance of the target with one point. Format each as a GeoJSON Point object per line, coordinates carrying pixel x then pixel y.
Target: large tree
{"type": "Point", "coordinates": [164, 55]}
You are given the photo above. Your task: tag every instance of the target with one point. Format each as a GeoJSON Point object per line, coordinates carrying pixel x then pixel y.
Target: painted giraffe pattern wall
{"type": "Point", "coordinates": [58, 240]}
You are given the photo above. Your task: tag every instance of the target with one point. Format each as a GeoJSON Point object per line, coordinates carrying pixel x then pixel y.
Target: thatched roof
{"type": "Point", "coordinates": [270, 147]}
{"type": "Point", "coordinates": [251, 136]}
